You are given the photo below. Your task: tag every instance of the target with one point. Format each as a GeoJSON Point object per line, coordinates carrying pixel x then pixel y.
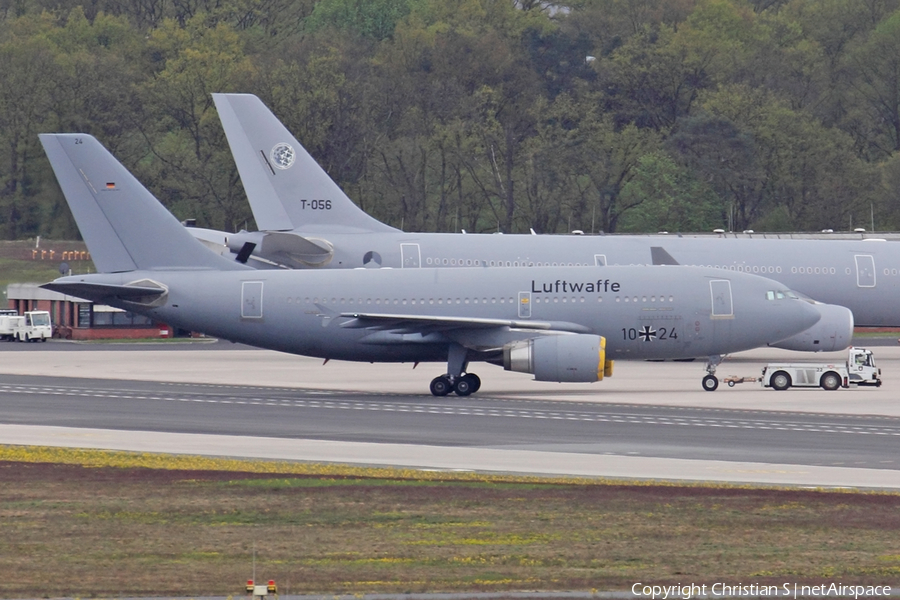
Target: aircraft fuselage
{"type": "Point", "coordinates": [644, 313]}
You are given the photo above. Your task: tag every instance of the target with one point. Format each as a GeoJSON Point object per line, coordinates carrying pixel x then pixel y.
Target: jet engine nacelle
{"type": "Point", "coordinates": [569, 358]}
{"type": "Point", "coordinates": [834, 331]}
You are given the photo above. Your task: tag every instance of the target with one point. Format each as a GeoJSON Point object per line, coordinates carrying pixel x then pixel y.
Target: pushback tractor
{"type": "Point", "coordinates": [859, 369]}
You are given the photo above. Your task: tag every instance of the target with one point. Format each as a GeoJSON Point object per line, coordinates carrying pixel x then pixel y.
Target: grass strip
{"type": "Point", "coordinates": [80, 523]}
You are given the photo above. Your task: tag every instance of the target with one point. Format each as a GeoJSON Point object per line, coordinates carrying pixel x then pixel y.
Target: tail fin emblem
{"type": "Point", "coordinates": [283, 155]}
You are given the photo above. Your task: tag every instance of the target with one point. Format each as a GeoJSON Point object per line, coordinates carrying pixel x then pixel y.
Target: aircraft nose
{"type": "Point", "coordinates": [833, 331]}
{"type": "Point", "coordinates": [800, 316]}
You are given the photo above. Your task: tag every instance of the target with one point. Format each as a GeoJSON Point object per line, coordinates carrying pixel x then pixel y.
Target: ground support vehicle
{"type": "Point", "coordinates": [32, 326]}
{"type": "Point", "coordinates": [858, 369]}
{"type": "Point", "coordinates": [9, 319]}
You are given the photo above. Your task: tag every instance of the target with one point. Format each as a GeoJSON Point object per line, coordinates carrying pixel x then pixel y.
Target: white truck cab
{"type": "Point", "coordinates": [859, 369]}
{"type": "Point", "coordinates": [34, 325]}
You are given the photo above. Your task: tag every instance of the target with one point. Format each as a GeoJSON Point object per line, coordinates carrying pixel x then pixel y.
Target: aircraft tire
{"type": "Point", "coordinates": [781, 381]}
{"type": "Point", "coordinates": [476, 381]}
{"type": "Point", "coordinates": [830, 381]}
{"type": "Point", "coordinates": [462, 387]}
{"type": "Point", "coordinates": [710, 383]}
{"type": "Point", "coordinates": [467, 384]}
{"type": "Point", "coordinates": [441, 386]}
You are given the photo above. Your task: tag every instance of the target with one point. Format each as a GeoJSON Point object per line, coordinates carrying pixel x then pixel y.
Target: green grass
{"type": "Point", "coordinates": [17, 264]}
{"type": "Point", "coordinates": [81, 523]}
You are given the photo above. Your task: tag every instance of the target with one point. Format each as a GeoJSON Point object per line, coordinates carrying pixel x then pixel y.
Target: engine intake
{"type": "Point", "coordinates": [564, 358]}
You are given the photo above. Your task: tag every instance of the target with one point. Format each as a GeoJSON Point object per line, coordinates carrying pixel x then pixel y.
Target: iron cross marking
{"type": "Point", "coordinates": [647, 333]}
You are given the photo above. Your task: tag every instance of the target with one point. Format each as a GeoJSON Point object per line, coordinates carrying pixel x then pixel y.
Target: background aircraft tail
{"type": "Point", "coordinates": [123, 224]}
{"type": "Point", "coordinates": [286, 187]}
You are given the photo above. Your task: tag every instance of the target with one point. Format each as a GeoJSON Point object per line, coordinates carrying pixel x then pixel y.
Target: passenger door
{"type": "Point", "coordinates": [410, 256]}
{"type": "Point", "coordinates": [865, 270]}
{"type": "Point", "coordinates": [722, 303]}
{"type": "Point", "coordinates": [251, 300]}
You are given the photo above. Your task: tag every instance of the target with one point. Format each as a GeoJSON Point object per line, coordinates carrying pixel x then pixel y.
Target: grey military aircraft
{"type": "Point", "coordinates": [557, 323]}
{"type": "Point", "coordinates": [306, 220]}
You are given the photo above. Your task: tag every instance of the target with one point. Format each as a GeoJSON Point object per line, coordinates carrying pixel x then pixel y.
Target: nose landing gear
{"type": "Point", "coordinates": [710, 382]}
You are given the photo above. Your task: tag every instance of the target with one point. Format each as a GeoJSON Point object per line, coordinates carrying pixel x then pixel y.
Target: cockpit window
{"type": "Point", "coordinates": [781, 295]}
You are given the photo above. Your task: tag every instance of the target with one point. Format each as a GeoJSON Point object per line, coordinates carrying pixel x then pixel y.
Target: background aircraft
{"type": "Point", "coordinates": [306, 220]}
{"type": "Point", "coordinates": [559, 323]}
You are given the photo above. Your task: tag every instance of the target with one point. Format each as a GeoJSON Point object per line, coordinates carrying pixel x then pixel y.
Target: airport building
{"type": "Point", "coordinates": [77, 319]}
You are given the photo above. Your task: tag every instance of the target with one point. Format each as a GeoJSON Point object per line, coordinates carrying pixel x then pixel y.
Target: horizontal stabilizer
{"type": "Point", "coordinates": [288, 249]}
{"type": "Point", "coordinates": [99, 292]}
{"type": "Point", "coordinates": [292, 244]}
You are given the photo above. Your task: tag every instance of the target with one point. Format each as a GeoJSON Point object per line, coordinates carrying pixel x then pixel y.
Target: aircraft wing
{"type": "Point", "coordinates": [429, 324]}
{"type": "Point", "coordinates": [479, 334]}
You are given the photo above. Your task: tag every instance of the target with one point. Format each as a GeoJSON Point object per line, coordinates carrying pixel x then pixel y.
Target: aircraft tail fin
{"type": "Point", "coordinates": [286, 187]}
{"type": "Point", "coordinates": [659, 256]}
{"type": "Point", "coordinates": [123, 224]}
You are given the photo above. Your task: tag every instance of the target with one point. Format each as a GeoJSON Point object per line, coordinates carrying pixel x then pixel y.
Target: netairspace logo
{"type": "Point", "coordinates": [785, 590]}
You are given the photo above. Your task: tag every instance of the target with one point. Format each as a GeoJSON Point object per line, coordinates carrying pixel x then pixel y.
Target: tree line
{"type": "Point", "coordinates": [483, 115]}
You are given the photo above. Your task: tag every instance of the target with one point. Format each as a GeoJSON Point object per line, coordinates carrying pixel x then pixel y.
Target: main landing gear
{"type": "Point", "coordinates": [462, 385]}
{"type": "Point", "coordinates": [456, 380]}
{"type": "Point", "coordinates": [710, 382]}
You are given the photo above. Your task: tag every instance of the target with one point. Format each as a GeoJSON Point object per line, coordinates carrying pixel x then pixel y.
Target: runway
{"type": "Point", "coordinates": [651, 420]}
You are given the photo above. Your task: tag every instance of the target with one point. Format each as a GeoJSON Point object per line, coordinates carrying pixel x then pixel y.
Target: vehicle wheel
{"type": "Point", "coordinates": [441, 386]}
{"type": "Point", "coordinates": [710, 383]}
{"type": "Point", "coordinates": [781, 381]}
{"type": "Point", "coordinates": [830, 381]}
{"type": "Point", "coordinates": [730, 384]}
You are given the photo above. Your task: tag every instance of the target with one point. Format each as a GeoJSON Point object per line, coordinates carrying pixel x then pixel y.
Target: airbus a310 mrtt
{"type": "Point", "coordinates": [560, 324]}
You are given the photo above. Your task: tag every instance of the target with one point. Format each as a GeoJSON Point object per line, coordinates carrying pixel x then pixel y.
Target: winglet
{"type": "Point", "coordinates": [286, 187]}
{"type": "Point", "coordinates": [123, 224]}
